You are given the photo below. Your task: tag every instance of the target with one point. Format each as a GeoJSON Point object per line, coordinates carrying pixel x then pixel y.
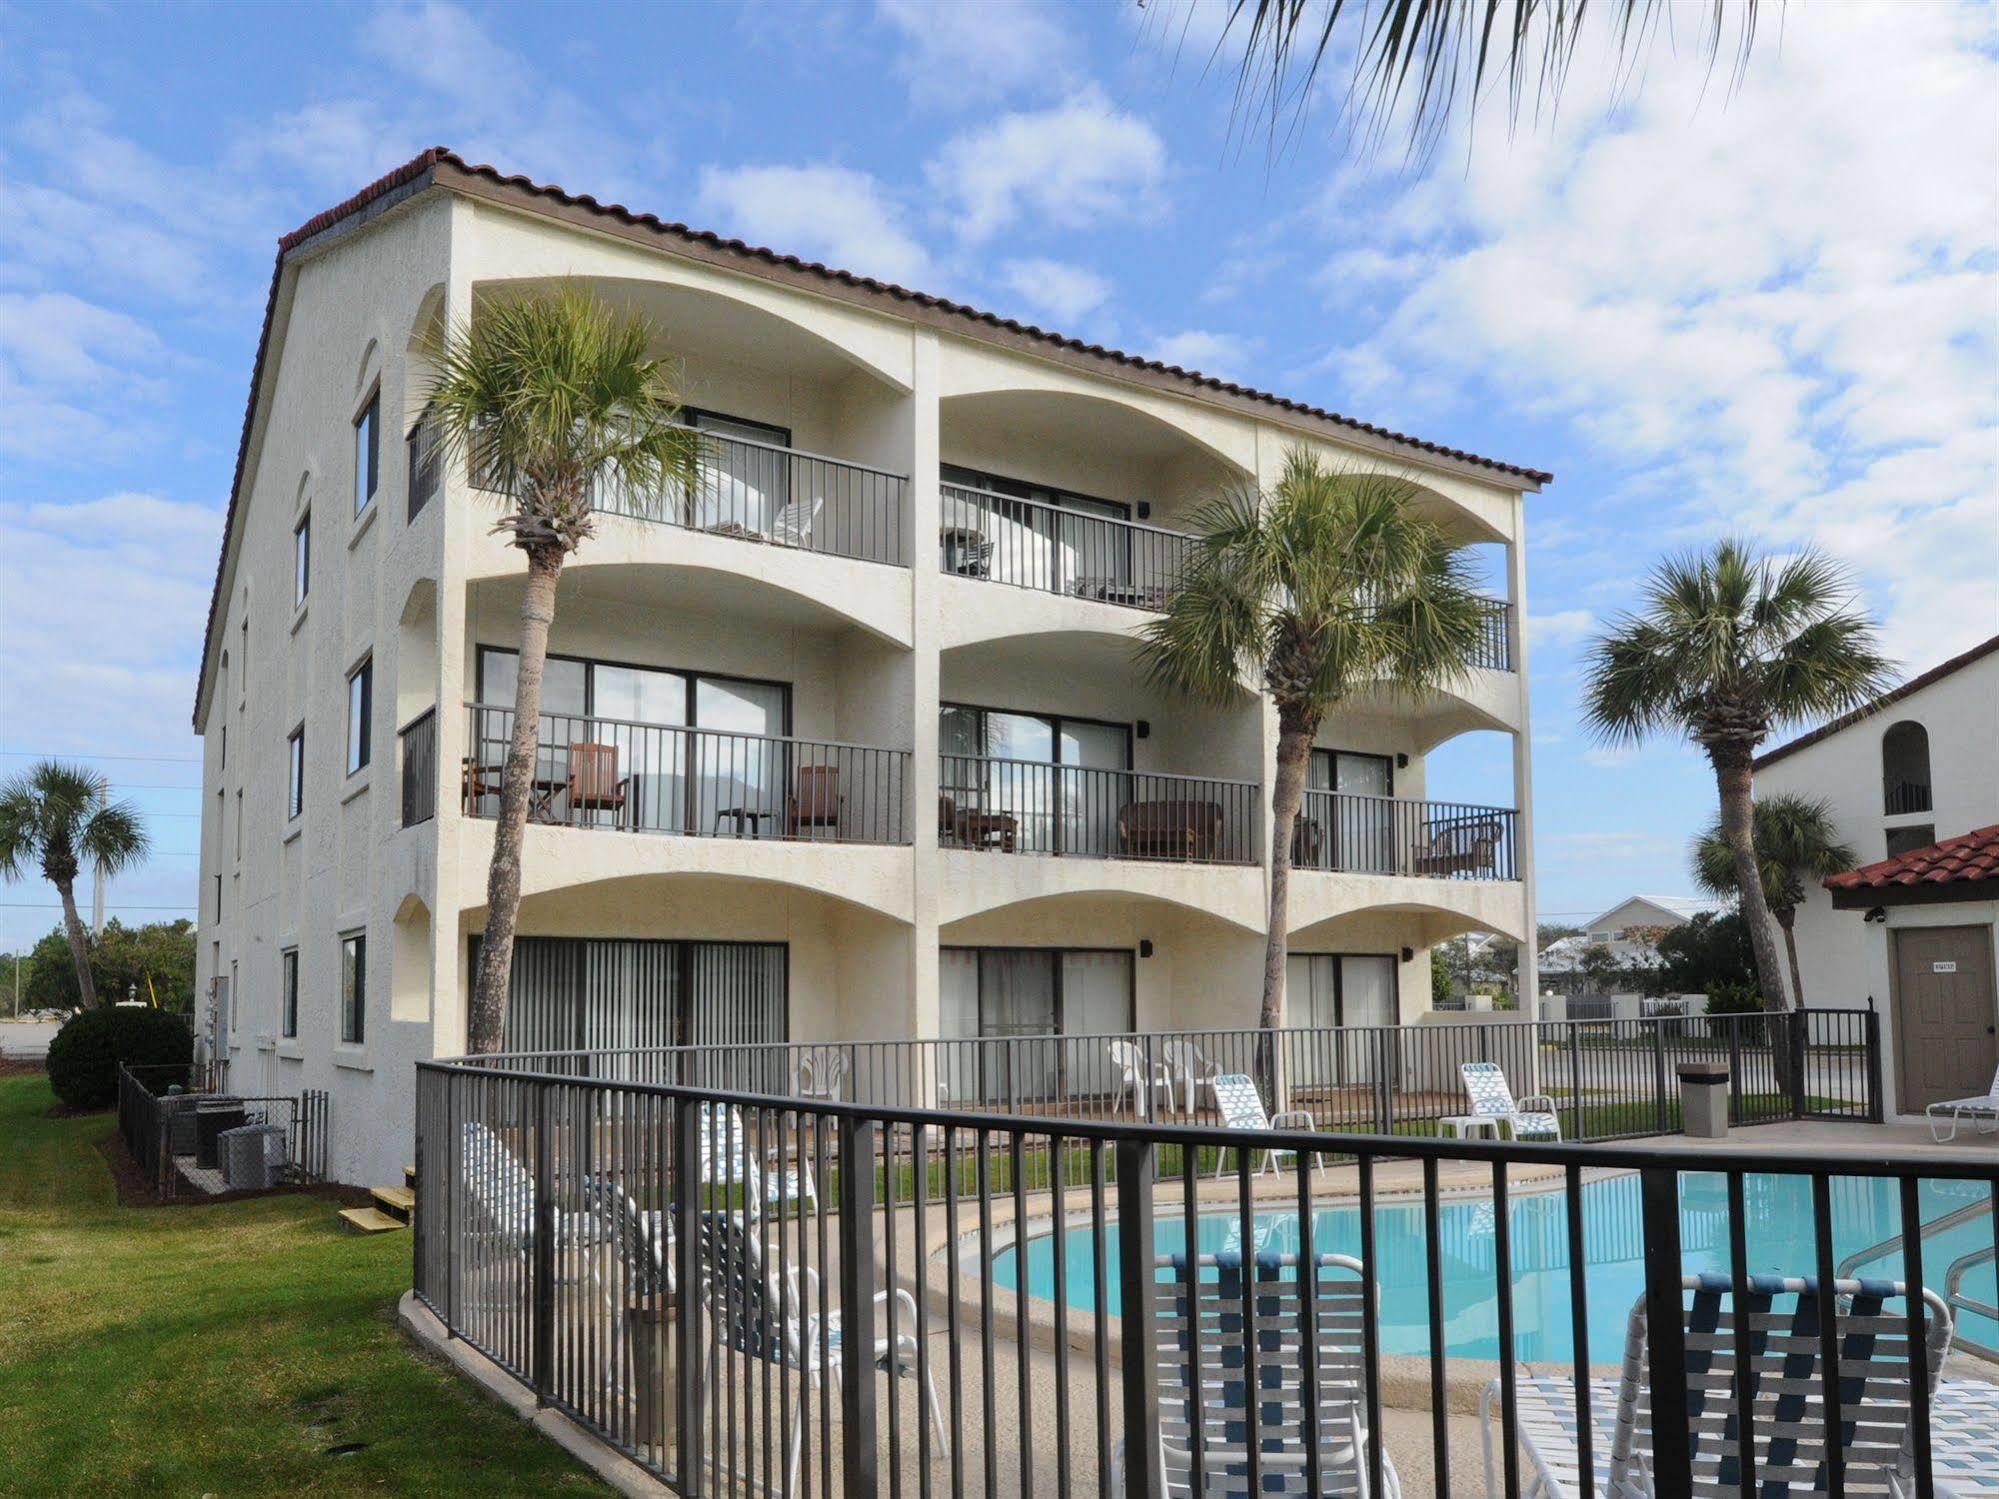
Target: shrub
{"type": "Point", "coordinates": [84, 1056]}
{"type": "Point", "coordinates": [1738, 999]}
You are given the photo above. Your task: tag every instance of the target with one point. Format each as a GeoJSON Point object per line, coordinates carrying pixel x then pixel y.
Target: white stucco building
{"type": "Point", "coordinates": [1913, 780]}
{"type": "Point", "coordinates": [848, 745]}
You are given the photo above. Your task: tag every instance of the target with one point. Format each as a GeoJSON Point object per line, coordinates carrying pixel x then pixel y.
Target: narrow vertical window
{"type": "Point", "coordinates": [302, 558]}
{"type": "Point", "coordinates": [295, 788]}
{"type": "Point", "coordinates": [425, 464]}
{"type": "Point", "coordinates": [239, 824]}
{"type": "Point", "coordinates": [288, 988]}
{"type": "Point", "coordinates": [353, 988]}
{"type": "Point", "coordinates": [360, 709]}
{"type": "Point", "coordinates": [367, 452]}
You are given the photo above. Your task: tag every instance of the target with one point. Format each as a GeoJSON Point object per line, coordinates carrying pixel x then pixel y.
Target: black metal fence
{"type": "Point", "coordinates": [176, 1123]}
{"type": "Point", "coordinates": [1033, 807]}
{"type": "Point", "coordinates": [790, 1294]}
{"type": "Point", "coordinates": [704, 783]}
{"type": "Point", "coordinates": [1342, 831]}
{"type": "Point", "coordinates": [417, 744]}
{"type": "Point", "coordinates": [1495, 645]}
{"type": "Point", "coordinates": [1057, 549]}
{"type": "Point", "coordinates": [759, 491]}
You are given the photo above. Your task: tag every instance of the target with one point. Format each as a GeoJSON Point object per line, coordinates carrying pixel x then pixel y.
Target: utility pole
{"type": "Point", "coordinates": [97, 904]}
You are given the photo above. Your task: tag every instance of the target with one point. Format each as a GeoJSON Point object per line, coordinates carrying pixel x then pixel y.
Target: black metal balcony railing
{"type": "Point", "coordinates": [1033, 545]}
{"type": "Point", "coordinates": [416, 742]}
{"type": "Point", "coordinates": [1032, 807]}
{"type": "Point", "coordinates": [773, 1289]}
{"type": "Point", "coordinates": [1906, 796]}
{"type": "Point", "coordinates": [1352, 834]}
{"type": "Point", "coordinates": [703, 783]}
{"type": "Point", "coordinates": [1495, 645]}
{"type": "Point", "coordinates": [760, 492]}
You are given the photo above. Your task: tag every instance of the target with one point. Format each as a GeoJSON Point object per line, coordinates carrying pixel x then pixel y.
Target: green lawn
{"type": "Point", "coordinates": [218, 1350]}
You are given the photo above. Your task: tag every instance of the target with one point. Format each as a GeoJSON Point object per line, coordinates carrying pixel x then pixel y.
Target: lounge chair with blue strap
{"type": "Point", "coordinates": [1788, 1428]}
{"type": "Point", "coordinates": [1241, 1107]}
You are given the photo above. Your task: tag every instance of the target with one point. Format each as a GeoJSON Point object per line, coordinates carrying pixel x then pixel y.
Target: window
{"type": "Point", "coordinates": [1060, 778]}
{"type": "Point", "coordinates": [295, 787]}
{"type": "Point", "coordinates": [1061, 541]}
{"type": "Point", "coordinates": [1905, 769]}
{"type": "Point", "coordinates": [1347, 820]}
{"type": "Point", "coordinates": [288, 989]}
{"type": "Point", "coordinates": [239, 824]}
{"type": "Point", "coordinates": [1909, 839]}
{"type": "Point", "coordinates": [353, 988]}
{"type": "Point", "coordinates": [426, 464]}
{"type": "Point", "coordinates": [1342, 995]}
{"type": "Point", "coordinates": [367, 452]}
{"type": "Point", "coordinates": [1030, 991]}
{"type": "Point", "coordinates": [225, 746]}
{"type": "Point", "coordinates": [740, 487]}
{"type": "Point", "coordinates": [233, 990]}
{"type": "Point", "coordinates": [302, 558]}
{"type": "Point", "coordinates": [360, 709]}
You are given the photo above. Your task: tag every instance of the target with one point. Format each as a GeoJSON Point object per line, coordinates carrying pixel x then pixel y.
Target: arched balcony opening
{"type": "Point", "coordinates": [1905, 769]}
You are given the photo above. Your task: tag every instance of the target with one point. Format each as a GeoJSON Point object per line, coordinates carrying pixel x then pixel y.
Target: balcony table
{"type": "Point", "coordinates": [754, 816]}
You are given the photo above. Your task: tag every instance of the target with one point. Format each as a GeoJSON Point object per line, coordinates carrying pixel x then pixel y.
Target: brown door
{"type": "Point", "coordinates": [1945, 1013]}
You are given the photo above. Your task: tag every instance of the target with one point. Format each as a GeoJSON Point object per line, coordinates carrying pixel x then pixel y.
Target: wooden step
{"type": "Point", "coordinates": [409, 1177]}
{"type": "Point", "coordinates": [397, 1202]}
{"type": "Point", "coordinates": [369, 1220]}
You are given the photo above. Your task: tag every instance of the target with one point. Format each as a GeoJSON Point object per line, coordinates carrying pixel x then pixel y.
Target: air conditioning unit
{"type": "Point", "coordinates": [253, 1155]}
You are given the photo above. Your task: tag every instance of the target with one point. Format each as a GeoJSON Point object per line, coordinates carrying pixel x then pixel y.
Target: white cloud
{"type": "Point", "coordinates": [1223, 356]}
{"type": "Point", "coordinates": [1563, 627]}
{"type": "Point", "coordinates": [1074, 166]}
{"type": "Point", "coordinates": [1771, 312]}
{"type": "Point", "coordinates": [976, 51]}
{"type": "Point", "coordinates": [826, 213]}
{"type": "Point", "coordinates": [1066, 293]}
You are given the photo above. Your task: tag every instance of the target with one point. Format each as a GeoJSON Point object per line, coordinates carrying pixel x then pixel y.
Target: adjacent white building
{"type": "Point", "coordinates": [1913, 780]}
{"type": "Point", "coordinates": [848, 743]}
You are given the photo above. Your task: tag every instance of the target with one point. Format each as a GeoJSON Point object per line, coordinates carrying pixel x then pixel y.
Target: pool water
{"type": "Point", "coordinates": [1778, 1236]}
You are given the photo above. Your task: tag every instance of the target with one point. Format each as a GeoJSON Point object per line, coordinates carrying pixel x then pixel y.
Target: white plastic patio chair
{"type": "Point", "coordinates": [755, 1313]}
{"type": "Point", "coordinates": [727, 1158]}
{"type": "Point", "coordinates": [822, 1072]}
{"type": "Point", "coordinates": [1137, 1082]}
{"type": "Point", "coordinates": [793, 525]}
{"type": "Point", "coordinates": [1241, 1108]}
{"type": "Point", "coordinates": [1872, 1328]}
{"type": "Point", "coordinates": [1955, 1110]}
{"type": "Point", "coordinates": [1206, 1406]}
{"type": "Point", "coordinates": [1491, 1098]}
{"type": "Point", "coordinates": [1195, 1071]}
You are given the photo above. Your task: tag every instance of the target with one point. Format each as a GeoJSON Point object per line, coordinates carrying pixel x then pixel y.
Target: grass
{"type": "Point", "coordinates": [218, 1350]}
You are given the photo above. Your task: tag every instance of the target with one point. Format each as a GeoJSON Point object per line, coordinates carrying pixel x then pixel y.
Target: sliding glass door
{"type": "Point", "coordinates": [1003, 1002]}
{"type": "Point", "coordinates": [1059, 780]}
{"type": "Point", "coordinates": [1348, 819]}
{"type": "Point", "coordinates": [1344, 998]}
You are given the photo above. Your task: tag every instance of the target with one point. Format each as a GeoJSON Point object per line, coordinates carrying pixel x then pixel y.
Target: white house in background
{"type": "Point", "coordinates": [847, 743]}
{"type": "Point", "coordinates": [1909, 776]}
{"type": "Point", "coordinates": [1629, 931]}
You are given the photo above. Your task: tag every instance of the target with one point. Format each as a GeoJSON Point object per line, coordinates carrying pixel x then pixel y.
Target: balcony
{"type": "Point", "coordinates": [1055, 549]}
{"type": "Point", "coordinates": [1073, 811]}
{"type": "Point", "coordinates": [416, 743]}
{"type": "Point", "coordinates": [1343, 833]}
{"type": "Point", "coordinates": [634, 777]}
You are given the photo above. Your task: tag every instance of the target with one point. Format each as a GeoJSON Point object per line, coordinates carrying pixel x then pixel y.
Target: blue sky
{"type": "Point", "coordinates": [1771, 309]}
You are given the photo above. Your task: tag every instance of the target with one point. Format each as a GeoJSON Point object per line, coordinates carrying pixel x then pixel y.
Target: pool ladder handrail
{"type": "Point", "coordinates": [1929, 1230]}
{"type": "Point", "coordinates": [1955, 1298]}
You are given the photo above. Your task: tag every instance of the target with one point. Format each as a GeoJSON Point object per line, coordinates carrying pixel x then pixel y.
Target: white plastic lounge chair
{"type": "Point", "coordinates": [1241, 1107]}
{"type": "Point", "coordinates": [1138, 1083]}
{"type": "Point", "coordinates": [1195, 1070]}
{"type": "Point", "coordinates": [1789, 1431]}
{"type": "Point", "coordinates": [1206, 1405]}
{"type": "Point", "coordinates": [1491, 1098]}
{"type": "Point", "coordinates": [644, 1238]}
{"type": "Point", "coordinates": [756, 1313]}
{"type": "Point", "coordinates": [726, 1158]}
{"type": "Point", "coordinates": [1964, 1438]}
{"type": "Point", "coordinates": [501, 1194]}
{"type": "Point", "coordinates": [1952, 1112]}
{"type": "Point", "coordinates": [793, 525]}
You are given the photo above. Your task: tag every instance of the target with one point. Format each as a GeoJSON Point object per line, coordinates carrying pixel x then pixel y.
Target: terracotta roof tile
{"type": "Point", "coordinates": [428, 162]}
{"type": "Point", "coordinates": [1960, 860]}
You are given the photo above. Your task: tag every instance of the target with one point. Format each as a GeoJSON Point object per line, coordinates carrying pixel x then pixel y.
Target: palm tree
{"type": "Point", "coordinates": [1796, 847]}
{"type": "Point", "coordinates": [1330, 583]}
{"type": "Point", "coordinates": [549, 395]}
{"type": "Point", "coordinates": [1728, 647]}
{"type": "Point", "coordinates": [1409, 62]}
{"type": "Point", "coordinates": [56, 818]}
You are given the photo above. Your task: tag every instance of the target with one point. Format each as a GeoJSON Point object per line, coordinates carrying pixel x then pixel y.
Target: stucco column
{"type": "Point", "coordinates": [924, 519]}
{"type": "Point", "coordinates": [1523, 765]}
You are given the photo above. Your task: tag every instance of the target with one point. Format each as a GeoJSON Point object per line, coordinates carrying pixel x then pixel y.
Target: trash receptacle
{"type": "Point", "coordinates": [1704, 1099]}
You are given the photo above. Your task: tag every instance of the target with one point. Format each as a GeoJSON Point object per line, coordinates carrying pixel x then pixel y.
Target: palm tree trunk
{"type": "Point", "coordinates": [1787, 919]}
{"type": "Point", "coordinates": [485, 1026]}
{"type": "Point", "coordinates": [1294, 754]}
{"type": "Point", "coordinates": [79, 944]}
{"type": "Point", "coordinates": [1731, 771]}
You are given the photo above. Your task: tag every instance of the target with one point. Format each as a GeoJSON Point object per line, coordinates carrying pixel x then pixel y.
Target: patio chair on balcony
{"type": "Point", "coordinates": [816, 803]}
{"type": "Point", "coordinates": [756, 1313]}
{"type": "Point", "coordinates": [1493, 1106]}
{"type": "Point", "coordinates": [727, 1157]}
{"type": "Point", "coordinates": [1785, 1380]}
{"type": "Point", "coordinates": [1193, 1070]}
{"type": "Point", "coordinates": [1139, 1083]}
{"type": "Point", "coordinates": [793, 525]}
{"type": "Point", "coordinates": [1207, 1410]}
{"type": "Point", "coordinates": [822, 1072]}
{"type": "Point", "coordinates": [1468, 846]}
{"type": "Point", "coordinates": [973, 827]}
{"type": "Point", "coordinates": [1241, 1108]}
{"type": "Point", "coordinates": [1169, 829]}
{"type": "Point", "coordinates": [1984, 1112]}
{"type": "Point", "coordinates": [1308, 843]}
{"type": "Point", "coordinates": [594, 782]}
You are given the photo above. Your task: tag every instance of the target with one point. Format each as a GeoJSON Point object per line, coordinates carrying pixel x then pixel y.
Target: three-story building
{"type": "Point", "coordinates": [846, 742]}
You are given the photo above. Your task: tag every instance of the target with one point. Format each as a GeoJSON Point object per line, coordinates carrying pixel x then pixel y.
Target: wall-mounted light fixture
{"type": "Point", "coordinates": [1408, 954]}
{"type": "Point", "coordinates": [1401, 761]}
{"type": "Point", "coordinates": [1879, 913]}
{"type": "Point", "coordinates": [1145, 510]}
{"type": "Point", "coordinates": [1145, 947]}
{"type": "Point", "coordinates": [1144, 728]}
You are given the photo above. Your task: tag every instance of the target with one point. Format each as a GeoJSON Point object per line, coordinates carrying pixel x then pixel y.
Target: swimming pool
{"type": "Point", "coordinates": [1778, 1233]}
